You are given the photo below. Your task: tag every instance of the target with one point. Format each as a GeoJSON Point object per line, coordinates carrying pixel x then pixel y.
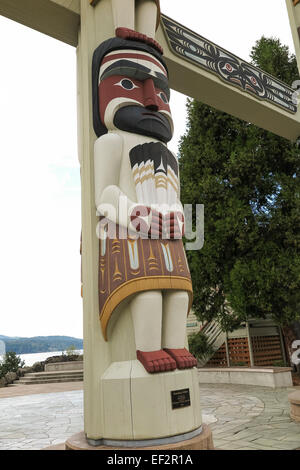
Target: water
{"type": "Point", "coordinates": [2, 348]}
{"type": "Point", "coordinates": [30, 359]}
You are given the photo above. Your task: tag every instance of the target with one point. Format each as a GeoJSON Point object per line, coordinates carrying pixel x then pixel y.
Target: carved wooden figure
{"type": "Point", "coordinates": [146, 265]}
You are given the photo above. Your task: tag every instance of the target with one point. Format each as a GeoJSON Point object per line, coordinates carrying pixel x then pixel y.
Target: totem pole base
{"type": "Point", "coordinates": [202, 441]}
{"type": "Point", "coordinates": [139, 406]}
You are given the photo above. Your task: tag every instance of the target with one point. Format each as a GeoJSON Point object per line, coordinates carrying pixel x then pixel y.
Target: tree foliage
{"type": "Point", "coordinates": [11, 363]}
{"type": "Point", "coordinates": [199, 346]}
{"type": "Point", "coordinates": [247, 179]}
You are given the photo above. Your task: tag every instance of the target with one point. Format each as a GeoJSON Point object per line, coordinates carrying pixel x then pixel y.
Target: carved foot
{"type": "Point", "coordinates": [184, 359]}
{"type": "Point", "coordinates": [156, 361]}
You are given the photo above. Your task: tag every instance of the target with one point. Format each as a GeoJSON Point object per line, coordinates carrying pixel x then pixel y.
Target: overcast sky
{"type": "Point", "coordinates": [39, 178]}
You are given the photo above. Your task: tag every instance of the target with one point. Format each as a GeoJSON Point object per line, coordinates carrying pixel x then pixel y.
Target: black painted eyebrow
{"type": "Point", "coordinates": [161, 76]}
{"type": "Point", "coordinates": [131, 69]}
{"type": "Point", "coordinates": [123, 64]}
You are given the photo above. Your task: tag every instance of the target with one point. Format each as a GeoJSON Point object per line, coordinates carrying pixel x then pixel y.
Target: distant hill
{"type": "Point", "coordinates": [39, 344]}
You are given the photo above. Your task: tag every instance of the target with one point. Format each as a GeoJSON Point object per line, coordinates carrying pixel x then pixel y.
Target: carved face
{"type": "Point", "coordinates": [134, 94]}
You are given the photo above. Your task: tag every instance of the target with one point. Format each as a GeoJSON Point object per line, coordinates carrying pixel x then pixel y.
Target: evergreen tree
{"type": "Point", "coordinates": [10, 363]}
{"type": "Point", "coordinates": [247, 179]}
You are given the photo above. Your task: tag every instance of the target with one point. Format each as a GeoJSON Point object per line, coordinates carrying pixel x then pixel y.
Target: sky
{"type": "Point", "coordinates": [39, 179]}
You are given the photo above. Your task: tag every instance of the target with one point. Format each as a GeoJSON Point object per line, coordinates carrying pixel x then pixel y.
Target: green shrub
{"type": "Point", "coordinates": [64, 358]}
{"type": "Point", "coordinates": [38, 367]}
{"type": "Point", "coordinates": [71, 351]}
{"type": "Point", "coordinates": [199, 346]}
{"type": "Point", "coordinates": [11, 363]}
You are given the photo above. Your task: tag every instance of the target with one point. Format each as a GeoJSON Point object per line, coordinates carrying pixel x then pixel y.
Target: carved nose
{"type": "Point", "coordinates": [150, 98]}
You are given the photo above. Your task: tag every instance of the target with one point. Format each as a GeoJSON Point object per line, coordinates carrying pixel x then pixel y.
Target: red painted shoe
{"type": "Point", "coordinates": [184, 359]}
{"type": "Point", "coordinates": [156, 361]}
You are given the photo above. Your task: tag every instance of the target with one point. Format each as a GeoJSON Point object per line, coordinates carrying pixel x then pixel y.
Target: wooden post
{"type": "Point", "coordinates": [93, 31]}
{"type": "Point", "coordinates": [293, 8]}
{"type": "Point", "coordinates": [227, 350]}
{"type": "Point", "coordinates": [282, 345]}
{"type": "Point", "coordinates": [250, 344]}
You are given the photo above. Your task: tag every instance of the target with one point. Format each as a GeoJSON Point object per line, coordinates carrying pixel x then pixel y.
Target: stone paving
{"type": "Point", "coordinates": [245, 417]}
{"type": "Point", "coordinates": [241, 418]}
{"type": "Point", "coordinates": [18, 389]}
{"type": "Point", "coordinates": [37, 421]}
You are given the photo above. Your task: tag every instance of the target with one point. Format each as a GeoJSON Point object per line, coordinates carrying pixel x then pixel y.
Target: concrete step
{"type": "Point", "coordinates": [51, 377]}
{"type": "Point", "coordinates": [56, 377]}
{"type": "Point", "coordinates": [54, 374]}
{"type": "Point", "coordinates": [48, 381]}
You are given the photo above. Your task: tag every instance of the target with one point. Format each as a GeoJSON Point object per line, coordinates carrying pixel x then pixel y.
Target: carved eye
{"type": "Point", "coordinates": [163, 97]}
{"type": "Point", "coordinates": [126, 84]}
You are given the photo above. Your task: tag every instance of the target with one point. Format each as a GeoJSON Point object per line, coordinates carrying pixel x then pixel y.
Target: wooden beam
{"type": "Point", "coordinates": [293, 9]}
{"type": "Point", "coordinates": [72, 5]}
{"type": "Point", "coordinates": [57, 18]}
{"type": "Point", "coordinates": [60, 19]}
{"type": "Point", "coordinates": [93, 31]}
{"type": "Point", "coordinates": [205, 84]}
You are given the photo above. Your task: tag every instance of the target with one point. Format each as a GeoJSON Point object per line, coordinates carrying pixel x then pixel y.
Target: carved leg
{"type": "Point", "coordinates": [146, 17]}
{"type": "Point", "coordinates": [123, 13]}
{"type": "Point", "coordinates": [146, 310]}
{"type": "Point", "coordinates": [175, 307]}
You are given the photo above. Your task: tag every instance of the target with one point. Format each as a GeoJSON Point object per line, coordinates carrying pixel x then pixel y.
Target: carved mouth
{"type": "Point", "coordinates": [144, 122]}
{"type": "Point", "coordinates": [149, 114]}
{"type": "Point", "coordinates": [156, 115]}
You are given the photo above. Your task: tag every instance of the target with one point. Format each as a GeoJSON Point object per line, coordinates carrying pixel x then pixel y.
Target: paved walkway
{"type": "Point", "coordinates": [241, 417]}
{"type": "Point", "coordinates": [17, 390]}
{"type": "Point", "coordinates": [41, 420]}
{"type": "Point", "coordinates": [248, 418]}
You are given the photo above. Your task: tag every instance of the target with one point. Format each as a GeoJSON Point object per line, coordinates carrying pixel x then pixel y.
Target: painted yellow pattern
{"type": "Point", "coordinates": [141, 285]}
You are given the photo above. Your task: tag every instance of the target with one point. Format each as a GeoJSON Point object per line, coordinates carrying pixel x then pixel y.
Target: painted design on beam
{"type": "Point", "coordinates": [229, 68]}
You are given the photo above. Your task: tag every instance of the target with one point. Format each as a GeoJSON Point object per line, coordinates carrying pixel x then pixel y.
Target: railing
{"type": "Point", "coordinates": [215, 338]}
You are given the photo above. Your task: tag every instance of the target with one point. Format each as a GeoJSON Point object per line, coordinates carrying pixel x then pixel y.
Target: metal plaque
{"type": "Point", "coordinates": [180, 398]}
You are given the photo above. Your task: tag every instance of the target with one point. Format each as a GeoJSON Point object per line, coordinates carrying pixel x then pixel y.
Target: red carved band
{"type": "Point", "coordinates": [126, 33]}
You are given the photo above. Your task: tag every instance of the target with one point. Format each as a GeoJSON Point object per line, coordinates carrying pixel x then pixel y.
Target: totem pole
{"type": "Point", "coordinates": [133, 121]}
{"type": "Point", "coordinates": [149, 389]}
